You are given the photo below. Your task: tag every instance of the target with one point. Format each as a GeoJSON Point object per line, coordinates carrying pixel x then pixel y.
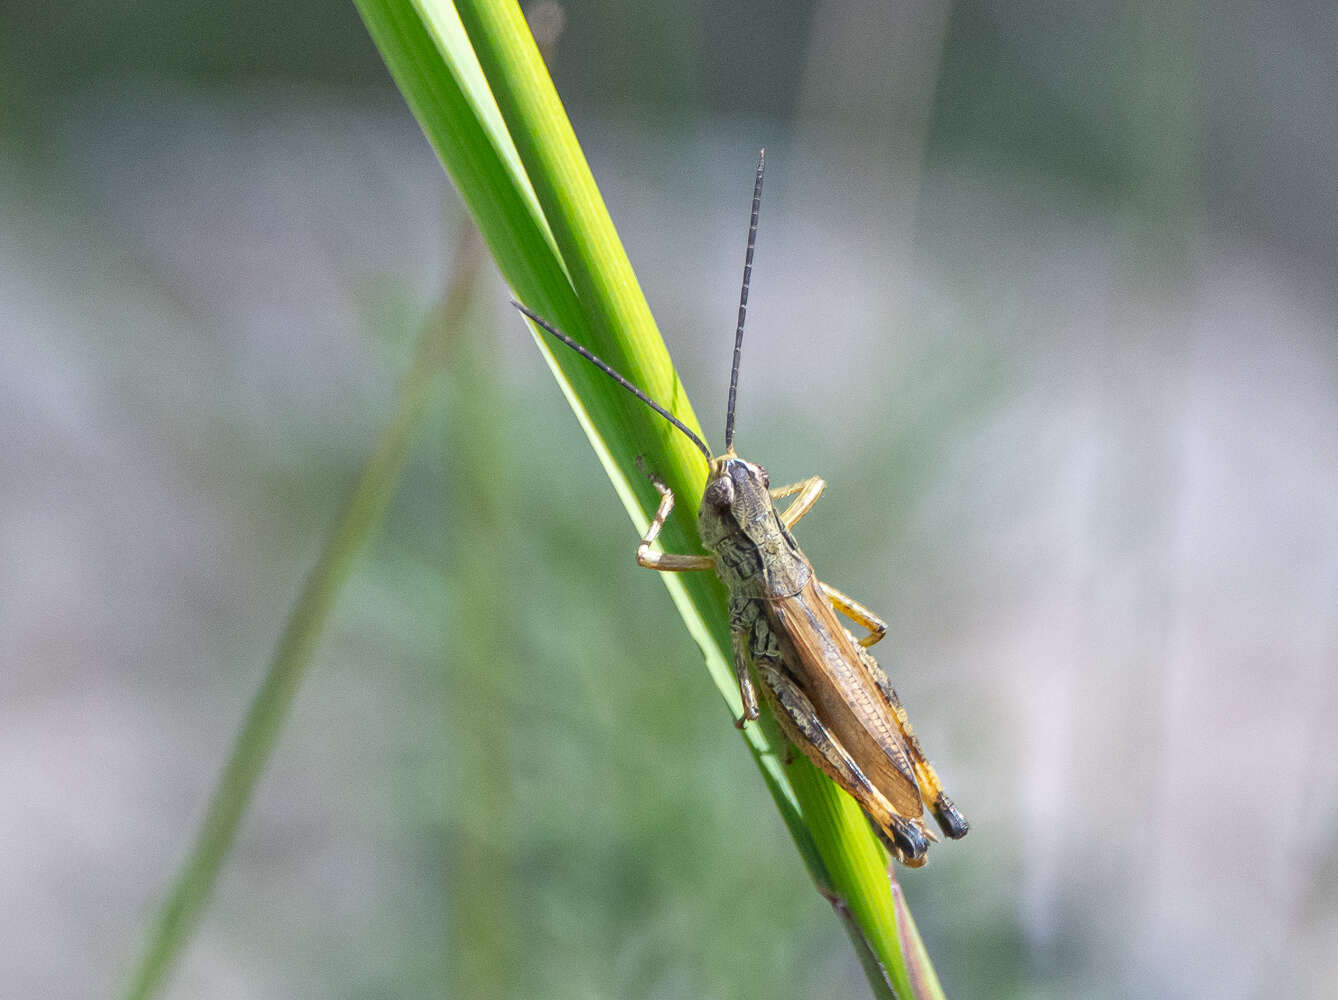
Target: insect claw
{"type": "Point", "coordinates": [655, 480]}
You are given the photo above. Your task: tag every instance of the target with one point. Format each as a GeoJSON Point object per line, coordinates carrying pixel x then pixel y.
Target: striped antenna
{"type": "Point", "coordinates": [743, 300]}
{"type": "Point", "coordinates": [603, 366]}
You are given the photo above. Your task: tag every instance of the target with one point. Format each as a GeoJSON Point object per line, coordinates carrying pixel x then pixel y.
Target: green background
{"type": "Point", "coordinates": [1045, 295]}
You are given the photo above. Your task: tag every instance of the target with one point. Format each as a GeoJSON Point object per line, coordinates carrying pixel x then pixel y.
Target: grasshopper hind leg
{"type": "Point", "coordinates": [898, 849]}
{"type": "Point", "coordinates": [950, 820]}
{"type": "Point", "coordinates": [905, 838]}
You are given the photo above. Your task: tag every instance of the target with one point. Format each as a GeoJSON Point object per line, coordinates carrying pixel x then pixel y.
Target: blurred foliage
{"type": "Point", "coordinates": [50, 48]}
{"type": "Point", "coordinates": [659, 63]}
{"type": "Point", "coordinates": [653, 864]}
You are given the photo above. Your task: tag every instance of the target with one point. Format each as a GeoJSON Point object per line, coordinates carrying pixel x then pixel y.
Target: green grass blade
{"type": "Point", "coordinates": [530, 189]}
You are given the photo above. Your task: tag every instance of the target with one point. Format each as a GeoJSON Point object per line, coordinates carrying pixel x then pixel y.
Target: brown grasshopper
{"type": "Point", "coordinates": [826, 690]}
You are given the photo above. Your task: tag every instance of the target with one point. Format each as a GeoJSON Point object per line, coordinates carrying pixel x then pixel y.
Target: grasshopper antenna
{"type": "Point", "coordinates": [603, 366]}
{"type": "Point", "coordinates": [743, 300]}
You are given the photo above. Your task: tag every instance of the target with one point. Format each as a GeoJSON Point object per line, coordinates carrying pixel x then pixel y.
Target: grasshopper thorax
{"type": "Point", "coordinates": [737, 521]}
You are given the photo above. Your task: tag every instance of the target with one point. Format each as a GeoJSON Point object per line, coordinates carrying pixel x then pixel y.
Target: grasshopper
{"type": "Point", "coordinates": [829, 695]}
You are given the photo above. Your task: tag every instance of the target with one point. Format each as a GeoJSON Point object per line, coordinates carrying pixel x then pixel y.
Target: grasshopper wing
{"type": "Point", "coordinates": [829, 669]}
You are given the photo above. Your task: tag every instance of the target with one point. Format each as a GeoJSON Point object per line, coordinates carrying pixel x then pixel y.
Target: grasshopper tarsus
{"type": "Point", "coordinates": [650, 474]}
{"type": "Point", "coordinates": [873, 637]}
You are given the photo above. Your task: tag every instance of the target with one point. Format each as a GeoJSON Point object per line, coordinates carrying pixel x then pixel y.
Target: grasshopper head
{"type": "Point", "coordinates": [735, 498]}
{"type": "Point", "coordinates": [737, 491]}
{"type": "Point", "coordinates": [738, 522]}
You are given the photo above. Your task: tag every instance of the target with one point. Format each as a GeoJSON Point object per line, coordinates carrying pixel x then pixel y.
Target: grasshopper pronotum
{"type": "Point", "coordinates": [828, 693]}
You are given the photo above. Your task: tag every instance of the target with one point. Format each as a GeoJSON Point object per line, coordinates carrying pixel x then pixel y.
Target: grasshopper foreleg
{"type": "Point", "coordinates": [950, 820]}
{"type": "Point", "coordinates": [665, 562]}
{"type": "Point", "coordinates": [809, 490]}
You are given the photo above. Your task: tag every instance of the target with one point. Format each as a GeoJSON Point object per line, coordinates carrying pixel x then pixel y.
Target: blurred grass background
{"type": "Point", "coordinates": [1045, 295]}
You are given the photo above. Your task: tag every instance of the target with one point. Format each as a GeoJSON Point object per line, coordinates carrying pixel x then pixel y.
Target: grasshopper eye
{"type": "Point", "coordinates": [719, 492]}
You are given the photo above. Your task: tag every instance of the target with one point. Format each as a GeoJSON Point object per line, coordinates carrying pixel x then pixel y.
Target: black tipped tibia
{"type": "Point", "coordinates": [950, 821]}
{"type": "Point", "coordinates": [905, 842]}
